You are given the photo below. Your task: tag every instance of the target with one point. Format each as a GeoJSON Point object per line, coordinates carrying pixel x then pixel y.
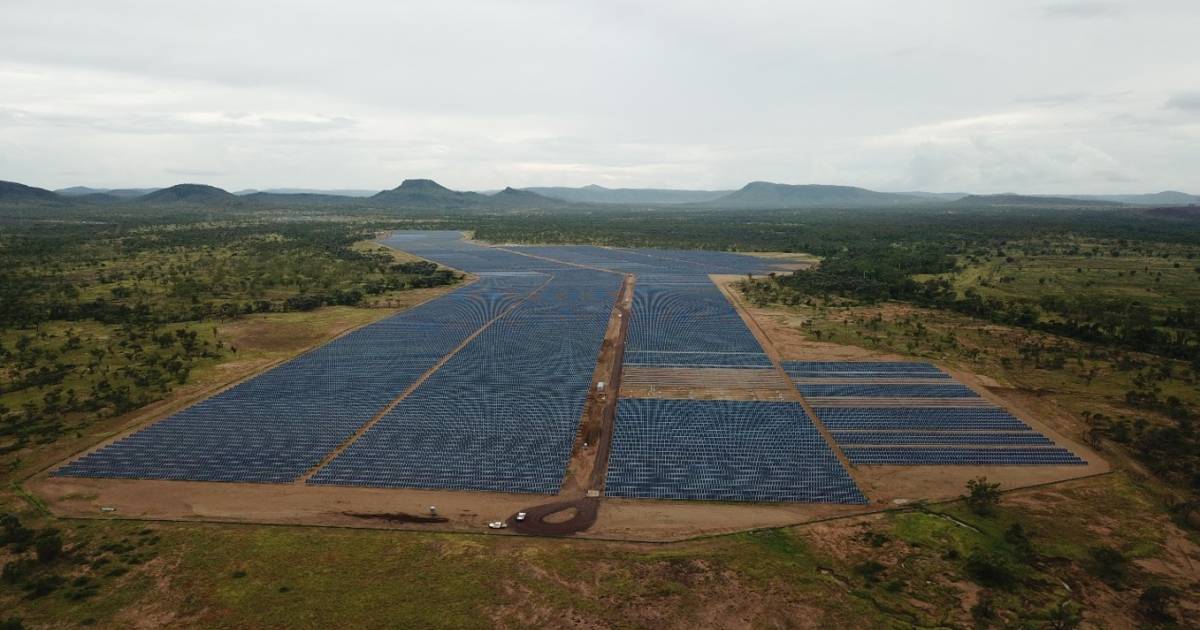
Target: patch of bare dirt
{"type": "Point", "coordinates": [398, 517]}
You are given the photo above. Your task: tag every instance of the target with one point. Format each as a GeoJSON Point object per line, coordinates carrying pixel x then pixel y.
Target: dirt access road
{"type": "Point", "coordinates": [589, 461]}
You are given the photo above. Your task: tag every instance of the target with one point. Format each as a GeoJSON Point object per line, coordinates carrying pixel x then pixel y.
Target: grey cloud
{"type": "Point", "coordinates": [692, 93]}
{"type": "Point", "coordinates": [1185, 101]}
{"type": "Point", "coordinates": [194, 173]}
{"type": "Point", "coordinates": [1082, 9]}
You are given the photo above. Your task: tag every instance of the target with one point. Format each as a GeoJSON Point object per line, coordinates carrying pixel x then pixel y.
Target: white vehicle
{"type": "Point", "coordinates": [497, 524]}
{"type": "Point", "coordinates": [520, 516]}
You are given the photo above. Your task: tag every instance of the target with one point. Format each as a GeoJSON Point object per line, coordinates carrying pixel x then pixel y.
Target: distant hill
{"type": "Point", "coordinates": [340, 192]}
{"type": "Point", "coordinates": [426, 193]}
{"type": "Point", "coordinates": [191, 194]}
{"type": "Point", "coordinates": [1010, 200]}
{"type": "Point", "coordinates": [12, 192]}
{"type": "Point", "coordinates": [119, 193]}
{"type": "Point", "coordinates": [649, 196]}
{"type": "Point", "coordinates": [932, 196]}
{"type": "Point", "coordinates": [1191, 213]}
{"type": "Point", "coordinates": [513, 198]}
{"type": "Point", "coordinates": [764, 195]}
{"type": "Point", "coordinates": [310, 200]}
{"type": "Point", "coordinates": [1164, 198]}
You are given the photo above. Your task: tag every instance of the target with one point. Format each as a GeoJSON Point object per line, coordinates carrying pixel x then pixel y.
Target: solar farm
{"type": "Point", "coordinates": [487, 390]}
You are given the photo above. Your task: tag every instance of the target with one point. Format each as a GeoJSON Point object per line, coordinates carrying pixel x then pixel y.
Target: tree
{"type": "Point", "coordinates": [1016, 536]}
{"type": "Point", "coordinates": [1064, 616]}
{"type": "Point", "coordinates": [1156, 602]}
{"type": "Point", "coordinates": [48, 545]}
{"type": "Point", "coordinates": [991, 568]}
{"type": "Point", "coordinates": [1109, 564]}
{"type": "Point", "coordinates": [982, 497]}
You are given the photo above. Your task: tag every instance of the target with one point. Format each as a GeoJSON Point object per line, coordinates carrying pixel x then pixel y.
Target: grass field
{"type": "Point", "coordinates": [903, 569]}
{"type": "Point", "coordinates": [1162, 276]}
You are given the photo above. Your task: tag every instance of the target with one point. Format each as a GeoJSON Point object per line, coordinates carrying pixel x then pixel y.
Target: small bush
{"type": "Point", "coordinates": [991, 569]}
{"type": "Point", "coordinates": [15, 571]}
{"type": "Point", "coordinates": [48, 545]}
{"type": "Point", "coordinates": [1109, 564]}
{"type": "Point", "coordinates": [870, 570]}
{"type": "Point", "coordinates": [1156, 602]}
{"type": "Point", "coordinates": [1016, 537]}
{"type": "Point", "coordinates": [982, 497]}
{"type": "Point", "coordinates": [983, 609]}
{"type": "Point", "coordinates": [12, 532]}
{"type": "Point", "coordinates": [1065, 616]}
{"type": "Point", "coordinates": [44, 585]}
{"type": "Point", "coordinates": [12, 623]}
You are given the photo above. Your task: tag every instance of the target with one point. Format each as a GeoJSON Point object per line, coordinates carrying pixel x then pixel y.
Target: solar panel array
{"type": "Point", "coordinates": [682, 325]}
{"type": "Point", "coordinates": [699, 359]}
{"type": "Point", "coordinates": [500, 415]}
{"type": "Point", "coordinates": [680, 318]}
{"type": "Point", "coordinates": [960, 456]}
{"type": "Point", "coordinates": [278, 425]}
{"type": "Point", "coordinates": [723, 450]}
{"type": "Point", "coordinates": [926, 418]}
{"type": "Point", "coordinates": [862, 369]}
{"type": "Point", "coordinates": [843, 390]}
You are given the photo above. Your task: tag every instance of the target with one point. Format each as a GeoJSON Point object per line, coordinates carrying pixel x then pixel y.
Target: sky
{"type": "Point", "coordinates": [1072, 96]}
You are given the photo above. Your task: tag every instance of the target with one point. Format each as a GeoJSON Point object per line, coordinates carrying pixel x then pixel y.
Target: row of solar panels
{"type": "Point", "coordinates": [313, 402]}
{"type": "Point", "coordinates": [723, 450]}
{"type": "Point", "coordinates": [689, 325]}
{"type": "Point", "coordinates": [501, 415]}
{"type": "Point", "coordinates": [918, 434]}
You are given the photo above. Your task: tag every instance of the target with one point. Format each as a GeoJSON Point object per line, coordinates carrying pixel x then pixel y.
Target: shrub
{"type": "Point", "coordinates": [1156, 602]}
{"type": "Point", "coordinates": [44, 585]}
{"type": "Point", "coordinates": [15, 571]}
{"type": "Point", "coordinates": [991, 569]}
{"type": "Point", "coordinates": [1109, 564]}
{"type": "Point", "coordinates": [11, 530]}
{"type": "Point", "coordinates": [1064, 616]}
{"type": "Point", "coordinates": [982, 497]}
{"type": "Point", "coordinates": [983, 609]}
{"type": "Point", "coordinates": [1015, 535]}
{"type": "Point", "coordinates": [48, 545]}
{"type": "Point", "coordinates": [870, 570]}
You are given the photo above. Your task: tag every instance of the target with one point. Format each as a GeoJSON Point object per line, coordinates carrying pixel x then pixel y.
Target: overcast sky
{"type": "Point", "coordinates": [942, 95]}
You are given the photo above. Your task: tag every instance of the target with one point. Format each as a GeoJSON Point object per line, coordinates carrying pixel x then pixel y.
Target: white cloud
{"type": "Point", "coordinates": [1185, 101]}
{"type": "Point", "coordinates": [482, 94]}
{"type": "Point", "coordinates": [1082, 9]}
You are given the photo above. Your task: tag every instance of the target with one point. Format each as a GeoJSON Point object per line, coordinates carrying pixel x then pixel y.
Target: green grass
{"type": "Point", "coordinates": [1159, 275]}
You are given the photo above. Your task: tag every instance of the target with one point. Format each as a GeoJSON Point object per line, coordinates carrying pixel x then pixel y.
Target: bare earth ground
{"type": "Point", "coordinates": [639, 520]}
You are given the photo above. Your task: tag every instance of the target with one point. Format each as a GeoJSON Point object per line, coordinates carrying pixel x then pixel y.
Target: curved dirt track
{"type": "Point", "coordinates": [586, 510]}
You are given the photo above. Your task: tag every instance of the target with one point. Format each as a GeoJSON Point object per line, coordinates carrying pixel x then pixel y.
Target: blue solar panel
{"type": "Point", "coordinates": [278, 425]}
{"type": "Point", "coordinates": [886, 391]}
{"type": "Point", "coordinates": [959, 456]}
{"type": "Point", "coordinates": [910, 438]}
{"type": "Point", "coordinates": [500, 415]}
{"type": "Point", "coordinates": [919, 418]}
{"type": "Point", "coordinates": [680, 318]}
{"type": "Point", "coordinates": [723, 450]}
{"type": "Point", "coordinates": [698, 359]}
{"type": "Point", "coordinates": [860, 367]}
{"type": "Point", "coordinates": [503, 412]}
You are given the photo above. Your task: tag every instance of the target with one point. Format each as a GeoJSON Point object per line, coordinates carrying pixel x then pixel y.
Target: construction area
{"type": "Point", "coordinates": [568, 390]}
